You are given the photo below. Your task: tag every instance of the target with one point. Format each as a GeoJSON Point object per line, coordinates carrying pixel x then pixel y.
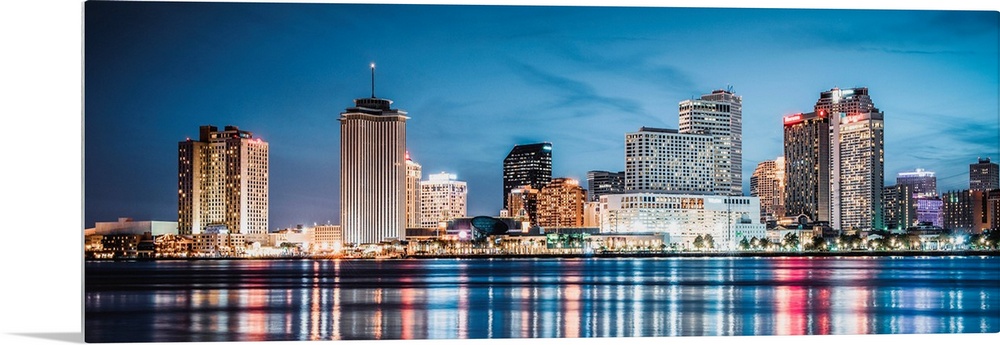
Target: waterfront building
{"type": "Point", "coordinates": [218, 244]}
{"type": "Point", "coordinates": [924, 182]}
{"type": "Point", "coordinates": [327, 238]}
{"type": "Point", "coordinates": [301, 236]}
{"type": "Point", "coordinates": [993, 208]}
{"type": "Point", "coordinates": [560, 204]}
{"type": "Point", "coordinates": [223, 181]}
{"type": "Point", "coordinates": [658, 159]}
{"type": "Point", "coordinates": [413, 176]}
{"type": "Point", "coordinates": [807, 172]}
{"type": "Point", "coordinates": [965, 211]}
{"type": "Point", "coordinates": [718, 114]}
{"type": "Point", "coordinates": [683, 217]}
{"type": "Point", "coordinates": [442, 197]}
{"type": "Point", "coordinates": [930, 210]}
{"type": "Point", "coordinates": [373, 171]}
{"type": "Point", "coordinates": [900, 210]}
{"type": "Point", "coordinates": [604, 182]}
{"type": "Point", "coordinates": [860, 178]}
{"type": "Point", "coordinates": [527, 165]}
{"type": "Point", "coordinates": [124, 245]}
{"type": "Point", "coordinates": [856, 156]}
{"type": "Point", "coordinates": [768, 184]}
{"type": "Point", "coordinates": [126, 225]}
{"type": "Point", "coordinates": [522, 205]}
{"type": "Point", "coordinates": [984, 175]}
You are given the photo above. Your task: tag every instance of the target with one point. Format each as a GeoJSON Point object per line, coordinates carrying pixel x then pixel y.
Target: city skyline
{"type": "Point", "coordinates": [278, 70]}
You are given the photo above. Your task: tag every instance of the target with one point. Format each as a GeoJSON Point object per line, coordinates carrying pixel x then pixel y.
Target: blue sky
{"type": "Point", "coordinates": [477, 80]}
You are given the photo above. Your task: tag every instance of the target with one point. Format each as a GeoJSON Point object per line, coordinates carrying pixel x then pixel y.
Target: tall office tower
{"type": "Point", "coordinates": [924, 182]}
{"type": "Point", "coordinates": [658, 159]}
{"type": "Point", "coordinates": [560, 204]}
{"type": "Point", "coordinates": [966, 211]}
{"type": "Point", "coordinates": [899, 207]}
{"type": "Point", "coordinates": [522, 205]}
{"type": "Point", "coordinates": [984, 175]}
{"type": "Point", "coordinates": [768, 183]}
{"type": "Point", "coordinates": [223, 182]}
{"type": "Point", "coordinates": [604, 182]}
{"type": "Point", "coordinates": [527, 165]}
{"type": "Point", "coordinates": [442, 198]}
{"type": "Point", "coordinates": [372, 171]}
{"type": "Point", "coordinates": [413, 177]}
{"type": "Point", "coordinates": [719, 114]}
{"type": "Point", "coordinates": [861, 175]}
{"type": "Point", "coordinates": [807, 172]}
{"type": "Point", "coordinates": [856, 157]}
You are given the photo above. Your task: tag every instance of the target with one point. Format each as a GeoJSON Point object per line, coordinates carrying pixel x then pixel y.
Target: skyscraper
{"type": "Point", "coordinates": [372, 171]}
{"type": "Point", "coordinates": [659, 159]}
{"type": "Point", "coordinates": [413, 177]}
{"type": "Point", "coordinates": [223, 183]}
{"type": "Point", "coordinates": [768, 183]}
{"type": "Point", "coordinates": [720, 115]}
{"type": "Point", "coordinates": [807, 168]}
{"type": "Point", "coordinates": [560, 204]}
{"type": "Point", "coordinates": [604, 182]}
{"type": "Point", "coordinates": [856, 157]}
{"type": "Point", "coordinates": [442, 198]}
{"type": "Point", "coordinates": [527, 165]}
{"type": "Point", "coordinates": [860, 182]}
{"type": "Point", "coordinates": [984, 175]}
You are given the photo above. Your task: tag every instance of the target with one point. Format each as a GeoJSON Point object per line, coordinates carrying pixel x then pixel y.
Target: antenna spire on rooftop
{"type": "Point", "coordinates": [373, 80]}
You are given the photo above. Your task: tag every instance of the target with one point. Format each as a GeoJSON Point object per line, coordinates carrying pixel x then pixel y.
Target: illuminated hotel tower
{"type": "Point", "coordinates": [413, 177]}
{"type": "Point", "coordinates": [223, 183]}
{"type": "Point", "coordinates": [372, 170]}
{"type": "Point", "coordinates": [807, 168]}
{"type": "Point", "coordinates": [442, 198]}
{"type": "Point", "coordinates": [719, 114]}
{"type": "Point", "coordinates": [560, 204]}
{"type": "Point", "coordinates": [856, 158]}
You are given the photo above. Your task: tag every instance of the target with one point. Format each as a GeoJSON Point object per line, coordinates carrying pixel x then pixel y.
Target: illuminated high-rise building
{"type": "Point", "coordinates": [719, 114]}
{"type": "Point", "coordinates": [372, 171]}
{"type": "Point", "coordinates": [984, 175]}
{"type": "Point", "coordinates": [560, 204]}
{"type": "Point", "coordinates": [860, 182]}
{"type": "Point", "coordinates": [223, 183]}
{"type": "Point", "coordinates": [966, 211]}
{"type": "Point", "coordinates": [768, 183]}
{"type": "Point", "coordinates": [604, 182]}
{"type": "Point", "coordinates": [899, 209]}
{"type": "Point", "coordinates": [924, 182]}
{"type": "Point", "coordinates": [442, 198]}
{"type": "Point", "coordinates": [522, 205]}
{"type": "Point", "coordinates": [527, 165]}
{"type": "Point", "coordinates": [659, 159]}
{"type": "Point", "coordinates": [413, 176]}
{"type": "Point", "coordinates": [856, 156]}
{"type": "Point", "coordinates": [807, 172]}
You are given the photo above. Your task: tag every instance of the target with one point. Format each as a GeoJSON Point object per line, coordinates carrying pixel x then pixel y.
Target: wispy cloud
{"type": "Point", "coordinates": [572, 91]}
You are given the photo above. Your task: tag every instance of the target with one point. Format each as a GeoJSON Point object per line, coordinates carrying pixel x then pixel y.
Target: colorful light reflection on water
{"type": "Point", "coordinates": [243, 300]}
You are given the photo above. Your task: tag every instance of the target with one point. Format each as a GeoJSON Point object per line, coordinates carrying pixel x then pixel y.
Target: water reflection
{"type": "Point", "coordinates": [420, 299]}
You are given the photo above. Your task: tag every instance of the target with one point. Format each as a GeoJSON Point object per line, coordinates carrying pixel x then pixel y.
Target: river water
{"type": "Point", "coordinates": [254, 300]}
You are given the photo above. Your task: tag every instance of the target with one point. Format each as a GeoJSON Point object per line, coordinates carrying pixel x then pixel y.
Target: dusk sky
{"type": "Point", "coordinates": [477, 80]}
